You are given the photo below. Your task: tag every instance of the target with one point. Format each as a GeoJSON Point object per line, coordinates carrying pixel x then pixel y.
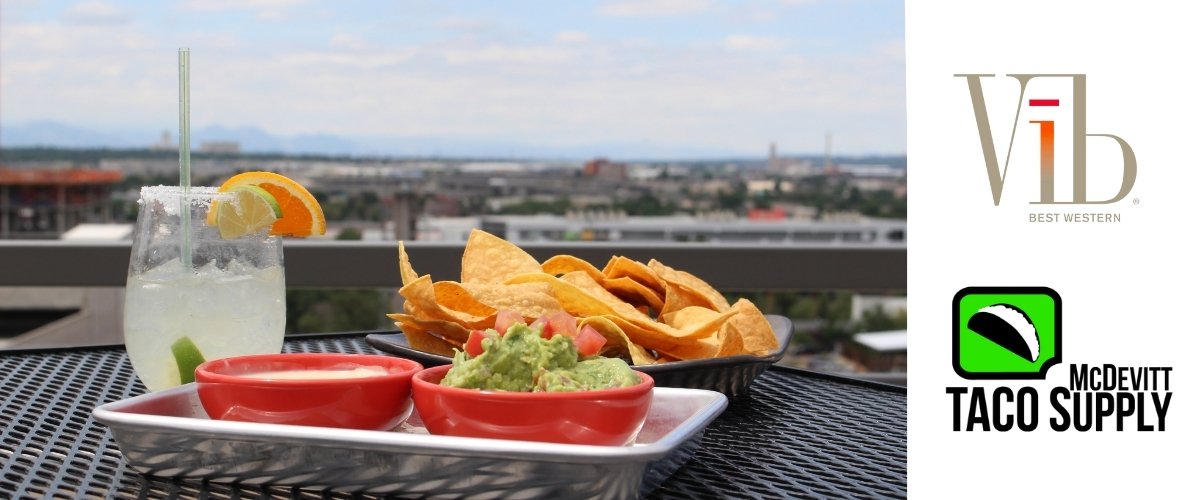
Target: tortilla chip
{"type": "Point", "coordinates": [726, 342]}
{"type": "Point", "coordinates": [407, 274]}
{"type": "Point", "coordinates": [531, 300]}
{"type": "Point", "coordinates": [563, 264]}
{"type": "Point", "coordinates": [693, 323]}
{"type": "Point", "coordinates": [455, 296]}
{"type": "Point", "coordinates": [690, 283]}
{"type": "Point", "coordinates": [423, 341]}
{"type": "Point", "coordinates": [448, 330]}
{"type": "Point", "coordinates": [423, 297]}
{"type": "Point", "coordinates": [678, 298]}
{"type": "Point", "coordinates": [573, 300]}
{"type": "Point", "coordinates": [624, 267]}
{"type": "Point", "coordinates": [729, 340]}
{"type": "Point", "coordinates": [617, 342]}
{"type": "Point", "coordinates": [757, 336]}
{"type": "Point", "coordinates": [585, 283]}
{"type": "Point", "coordinates": [688, 316]}
{"type": "Point", "coordinates": [489, 259]}
{"type": "Point", "coordinates": [632, 291]}
{"type": "Point", "coordinates": [652, 338]}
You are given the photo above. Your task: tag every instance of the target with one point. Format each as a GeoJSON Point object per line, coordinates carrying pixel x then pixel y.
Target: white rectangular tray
{"type": "Point", "coordinates": [168, 434]}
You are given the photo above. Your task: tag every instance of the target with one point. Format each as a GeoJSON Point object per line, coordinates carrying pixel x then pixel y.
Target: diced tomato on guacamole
{"type": "Point", "coordinates": [524, 359]}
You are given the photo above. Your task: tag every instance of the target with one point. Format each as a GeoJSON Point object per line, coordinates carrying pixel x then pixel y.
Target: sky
{"type": "Point", "coordinates": [672, 75]}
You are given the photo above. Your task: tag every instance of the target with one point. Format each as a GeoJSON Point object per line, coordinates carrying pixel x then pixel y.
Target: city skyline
{"type": "Point", "coordinates": [666, 78]}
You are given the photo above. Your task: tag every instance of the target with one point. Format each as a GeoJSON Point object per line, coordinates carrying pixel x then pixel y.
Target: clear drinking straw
{"type": "Point", "coordinates": [185, 159]}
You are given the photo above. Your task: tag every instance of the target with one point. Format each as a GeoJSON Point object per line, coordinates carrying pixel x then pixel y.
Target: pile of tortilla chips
{"type": "Point", "coordinates": [648, 312]}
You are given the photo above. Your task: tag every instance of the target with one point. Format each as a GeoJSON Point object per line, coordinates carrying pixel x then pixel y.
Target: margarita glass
{"type": "Point", "coordinates": [192, 295]}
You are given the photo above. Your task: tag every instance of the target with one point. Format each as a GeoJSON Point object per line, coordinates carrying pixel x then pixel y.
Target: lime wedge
{"type": "Point", "coordinates": [187, 358]}
{"type": "Point", "coordinates": [252, 210]}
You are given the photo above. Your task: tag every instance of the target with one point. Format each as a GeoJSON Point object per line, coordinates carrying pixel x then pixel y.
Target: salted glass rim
{"type": "Point", "coordinates": [168, 196]}
{"type": "Point", "coordinates": [163, 193]}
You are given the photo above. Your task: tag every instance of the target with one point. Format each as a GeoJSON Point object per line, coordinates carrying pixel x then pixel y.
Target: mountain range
{"type": "Point", "coordinates": [256, 140]}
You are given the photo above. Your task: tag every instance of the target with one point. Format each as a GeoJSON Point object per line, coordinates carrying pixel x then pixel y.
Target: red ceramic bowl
{"type": "Point", "coordinates": [600, 417]}
{"type": "Point", "coordinates": [373, 402]}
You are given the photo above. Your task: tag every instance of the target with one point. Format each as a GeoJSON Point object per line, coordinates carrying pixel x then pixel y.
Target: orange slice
{"type": "Point", "coordinates": [302, 215]}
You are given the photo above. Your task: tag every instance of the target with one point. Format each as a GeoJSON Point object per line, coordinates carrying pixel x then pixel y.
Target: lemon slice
{"type": "Point", "coordinates": [252, 210]}
{"type": "Point", "coordinates": [187, 358]}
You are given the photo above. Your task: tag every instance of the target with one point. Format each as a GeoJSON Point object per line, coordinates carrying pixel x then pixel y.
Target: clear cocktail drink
{"type": "Point", "coordinates": [227, 299]}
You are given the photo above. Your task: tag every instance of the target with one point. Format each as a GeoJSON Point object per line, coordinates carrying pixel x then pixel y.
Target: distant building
{"type": "Point", "coordinates": [774, 165]}
{"type": "Point", "coordinates": [782, 166]}
{"type": "Point", "coordinates": [889, 305]}
{"type": "Point", "coordinates": [830, 167]}
{"type": "Point", "coordinates": [878, 351]}
{"type": "Point", "coordinates": [164, 143]}
{"type": "Point", "coordinates": [46, 203]}
{"type": "Point", "coordinates": [768, 186]}
{"type": "Point", "coordinates": [220, 147]}
{"type": "Point", "coordinates": [446, 229]}
{"type": "Point", "coordinates": [521, 229]}
{"type": "Point", "coordinates": [773, 213]}
{"type": "Point", "coordinates": [872, 170]}
{"type": "Point", "coordinates": [601, 168]}
{"type": "Point", "coordinates": [876, 177]}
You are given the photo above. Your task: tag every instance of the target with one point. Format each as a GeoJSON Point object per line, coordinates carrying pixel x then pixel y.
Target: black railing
{"type": "Point", "coordinates": [861, 268]}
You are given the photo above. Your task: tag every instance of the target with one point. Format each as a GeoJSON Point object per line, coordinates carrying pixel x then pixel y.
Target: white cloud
{"type": "Point", "coordinates": [507, 54]}
{"type": "Point", "coordinates": [52, 39]}
{"type": "Point", "coordinates": [348, 41]}
{"type": "Point", "coordinates": [892, 48]}
{"type": "Point", "coordinates": [91, 13]}
{"type": "Point", "coordinates": [754, 14]}
{"type": "Point", "coordinates": [754, 43]}
{"type": "Point", "coordinates": [218, 5]}
{"type": "Point", "coordinates": [571, 37]}
{"type": "Point", "coordinates": [264, 9]}
{"type": "Point", "coordinates": [654, 8]}
{"type": "Point", "coordinates": [371, 60]}
{"type": "Point", "coordinates": [459, 23]}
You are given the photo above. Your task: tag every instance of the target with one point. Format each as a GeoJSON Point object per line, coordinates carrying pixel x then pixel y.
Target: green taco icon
{"type": "Point", "coordinates": [1006, 332]}
{"type": "Point", "coordinates": [1009, 327]}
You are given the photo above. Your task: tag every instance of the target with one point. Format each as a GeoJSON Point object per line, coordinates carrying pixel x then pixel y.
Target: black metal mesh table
{"type": "Point", "coordinates": [796, 435]}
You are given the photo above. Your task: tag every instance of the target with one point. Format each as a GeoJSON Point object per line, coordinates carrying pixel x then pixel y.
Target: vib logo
{"type": "Point", "coordinates": [1076, 92]}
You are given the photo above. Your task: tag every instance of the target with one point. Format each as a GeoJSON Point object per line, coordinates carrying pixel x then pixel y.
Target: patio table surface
{"type": "Point", "coordinates": [797, 434]}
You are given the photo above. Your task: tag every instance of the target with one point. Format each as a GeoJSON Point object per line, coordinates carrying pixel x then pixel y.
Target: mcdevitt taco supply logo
{"type": "Point", "coordinates": [1015, 333]}
{"type": "Point", "coordinates": [1043, 110]}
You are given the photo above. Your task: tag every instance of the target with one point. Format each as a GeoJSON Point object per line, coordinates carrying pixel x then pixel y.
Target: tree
{"type": "Point", "coordinates": [647, 204]}
{"type": "Point", "coordinates": [313, 311]}
{"type": "Point", "coordinates": [876, 319]}
{"type": "Point", "coordinates": [734, 198]}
